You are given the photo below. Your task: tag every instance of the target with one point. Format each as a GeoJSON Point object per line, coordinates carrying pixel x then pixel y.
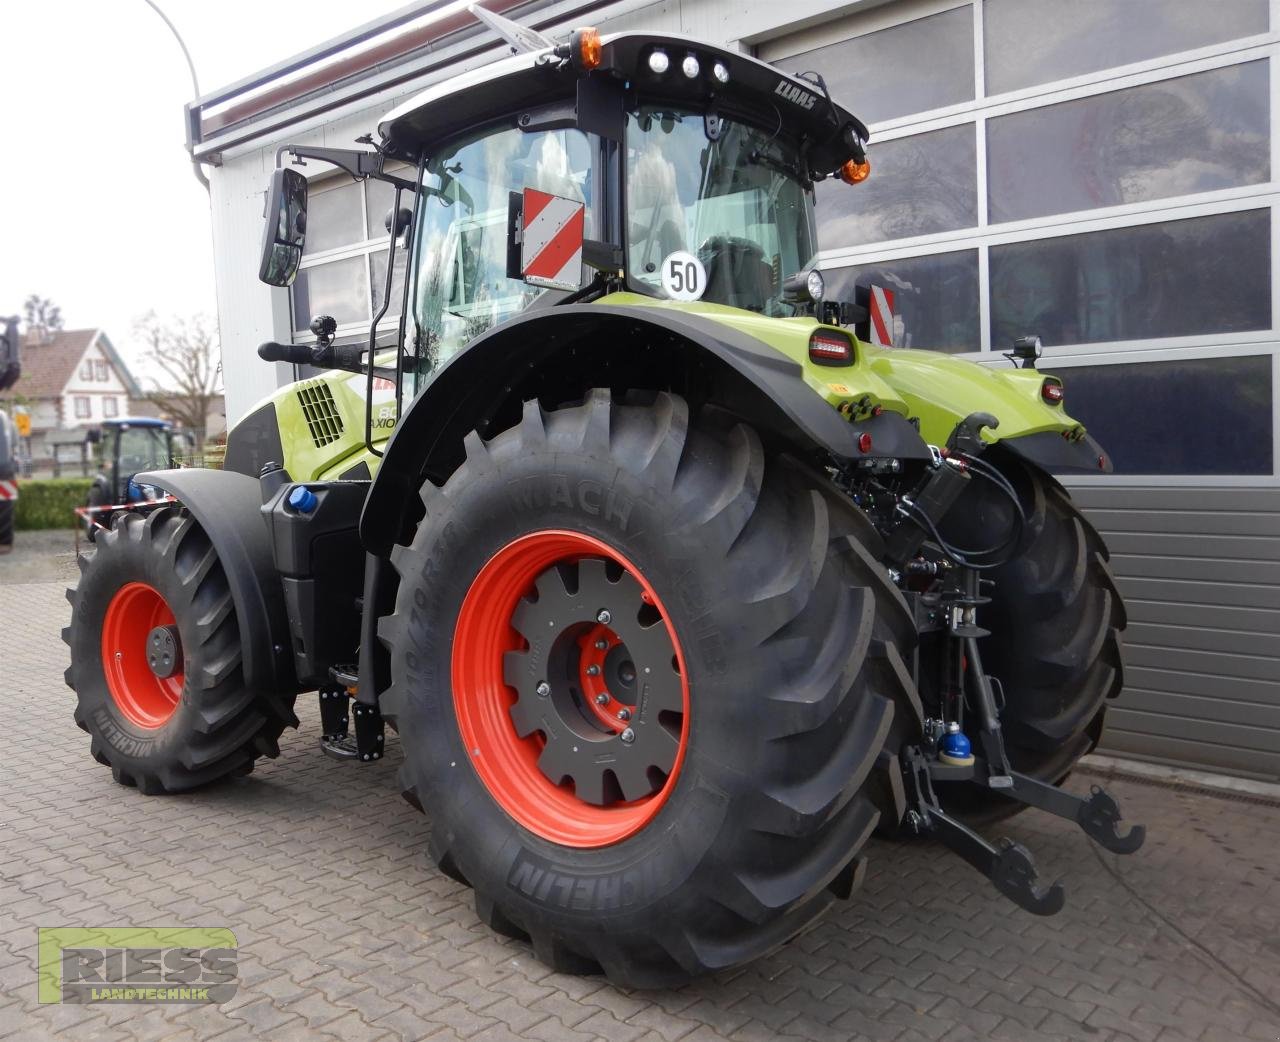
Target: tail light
{"type": "Point", "coordinates": [827, 347]}
{"type": "Point", "coordinates": [1052, 391]}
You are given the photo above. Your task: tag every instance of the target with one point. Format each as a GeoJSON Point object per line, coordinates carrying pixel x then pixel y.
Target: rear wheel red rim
{"type": "Point", "coordinates": [144, 699]}
{"type": "Point", "coordinates": [488, 640]}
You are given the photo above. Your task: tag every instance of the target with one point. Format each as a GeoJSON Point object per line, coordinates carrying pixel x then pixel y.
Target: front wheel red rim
{"type": "Point", "coordinates": [143, 698]}
{"type": "Point", "coordinates": [570, 689]}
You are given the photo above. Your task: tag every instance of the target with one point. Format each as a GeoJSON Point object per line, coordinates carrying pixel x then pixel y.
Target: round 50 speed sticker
{"type": "Point", "coordinates": [683, 276]}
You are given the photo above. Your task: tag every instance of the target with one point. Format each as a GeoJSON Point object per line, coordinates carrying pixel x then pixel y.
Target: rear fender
{"type": "Point", "coordinates": [557, 354]}
{"type": "Point", "coordinates": [228, 507]}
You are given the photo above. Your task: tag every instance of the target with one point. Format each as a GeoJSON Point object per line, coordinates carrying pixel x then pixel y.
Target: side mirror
{"type": "Point", "coordinates": [286, 227]}
{"type": "Point", "coordinates": [93, 435]}
{"type": "Point", "coordinates": [10, 353]}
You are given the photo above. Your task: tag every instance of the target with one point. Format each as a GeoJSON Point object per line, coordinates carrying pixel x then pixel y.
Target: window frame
{"type": "Point", "coordinates": [82, 406]}
{"type": "Point", "coordinates": [785, 41]}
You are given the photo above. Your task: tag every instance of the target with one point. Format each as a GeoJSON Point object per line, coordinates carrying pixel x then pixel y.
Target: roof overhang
{"type": "Point", "coordinates": [406, 45]}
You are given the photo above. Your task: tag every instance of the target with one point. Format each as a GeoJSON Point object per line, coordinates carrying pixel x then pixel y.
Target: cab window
{"type": "Point", "coordinates": [462, 287]}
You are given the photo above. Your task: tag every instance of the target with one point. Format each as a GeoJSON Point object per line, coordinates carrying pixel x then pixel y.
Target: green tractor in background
{"type": "Point", "coordinates": [674, 588]}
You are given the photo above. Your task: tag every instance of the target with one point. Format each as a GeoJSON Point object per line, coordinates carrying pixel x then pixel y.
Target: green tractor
{"type": "Point", "coordinates": [674, 588]}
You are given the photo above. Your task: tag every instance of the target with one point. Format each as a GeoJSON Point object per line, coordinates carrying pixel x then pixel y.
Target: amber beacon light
{"type": "Point", "coordinates": [586, 50]}
{"type": "Point", "coordinates": [853, 172]}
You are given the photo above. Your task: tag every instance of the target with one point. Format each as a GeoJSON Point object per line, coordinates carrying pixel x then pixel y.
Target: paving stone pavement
{"type": "Point", "coordinates": [346, 932]}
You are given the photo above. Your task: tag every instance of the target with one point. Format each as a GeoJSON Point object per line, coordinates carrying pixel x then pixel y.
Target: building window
{"type": "Point", "coordinates": [344, 263]}
{"type": "Point", "coordinates": [1174, 278]}
{"type": "Point", "coordinates": [1130, 146]}
{"type": "Point", "coordinates": [935, 298]}
{"type": "Point", "coordinates": [82, 406]}
{"type": "Point", "coordinates": [109, 407]}
{"type": "Point", "coordinates": [100, 369]}
{"type": "Point", "coordinates": [920, 185]}
{"type": "Point", "coordinates": [922, 64]}
{"type": "Point", "coordinates": [1029, 42]}
{"type": "Point", "coordinates": [1200, 416]}
{"type": "Point", "coordinates": [86, 370]}
{"type": "Point", "coordinates": [340, 289]}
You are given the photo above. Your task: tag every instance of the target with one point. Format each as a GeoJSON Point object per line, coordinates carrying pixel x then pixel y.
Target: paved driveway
{"type": "Point", "coordinates": [346, 932]}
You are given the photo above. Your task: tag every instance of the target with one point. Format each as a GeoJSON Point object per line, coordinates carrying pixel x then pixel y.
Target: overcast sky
{"type": "Point", "coordinates": [98, 205]}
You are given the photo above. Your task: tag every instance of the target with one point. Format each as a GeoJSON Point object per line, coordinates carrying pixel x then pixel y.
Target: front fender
{"type": "Point", "coordinates": [228, 506]}
{"type": "Point", "coordinates": [558, 352]}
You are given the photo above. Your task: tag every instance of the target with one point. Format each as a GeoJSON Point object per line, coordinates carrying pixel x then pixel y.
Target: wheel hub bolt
{"type": "Point", "coordinates": [628, 736]}
{"type": "Point", "coordinates": [605, 617]}
{"type": "Point", "coordinates": [593, 671]}
{"type": "Point", "coordinates": [602, 699]}
{"type": "Point", "coordinates": [543, 688]}
{"type": "Point", "coordinates": [601, 644]}
{"type": "Point", "coordinates": [624, 714]}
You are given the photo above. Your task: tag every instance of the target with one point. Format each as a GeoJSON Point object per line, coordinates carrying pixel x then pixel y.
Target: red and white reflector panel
{"type": "Point", "coordinates": [8, 490]}
{"type": "Point", "coordinates": [880, 308]}
{"type": "Point", "coordinates": [552, 229]}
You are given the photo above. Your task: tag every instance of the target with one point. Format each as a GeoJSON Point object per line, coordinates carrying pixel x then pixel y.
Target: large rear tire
{"type": "Point", "coordinates": [155, 659]}
{"type": "Point", "coordinates": [1056, 619]}
{"type": "Point", "coordinates": [758, 762]}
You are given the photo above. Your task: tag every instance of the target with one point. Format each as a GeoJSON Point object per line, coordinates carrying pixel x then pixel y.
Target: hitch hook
{"type": "Point", "coordinates": [1098, 817]}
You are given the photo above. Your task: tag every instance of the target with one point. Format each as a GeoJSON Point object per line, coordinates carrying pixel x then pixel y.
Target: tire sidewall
{"type": "Point", "coordinates": [540, 490]}
{"type": "Point", "coordinates": [120, 560]}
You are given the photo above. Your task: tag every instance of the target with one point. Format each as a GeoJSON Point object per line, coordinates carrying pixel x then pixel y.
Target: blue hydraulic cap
{"type": "Point", "coordinates": [955, 749]}
{"type": "Point", "coordinates": [303, 500]}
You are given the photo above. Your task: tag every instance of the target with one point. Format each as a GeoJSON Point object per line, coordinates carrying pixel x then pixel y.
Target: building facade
{"type": "Point", "coordinates": [1100, 174]}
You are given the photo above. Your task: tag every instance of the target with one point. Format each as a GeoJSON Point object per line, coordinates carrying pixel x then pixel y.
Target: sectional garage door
{"type": "Point", "coordinates": [1200, 568]}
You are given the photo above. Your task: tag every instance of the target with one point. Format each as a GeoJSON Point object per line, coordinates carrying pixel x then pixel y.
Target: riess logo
{"type": "Point", "coordinates": [137, 964]}
{"type": "Point", "coordinates": [795, 95]}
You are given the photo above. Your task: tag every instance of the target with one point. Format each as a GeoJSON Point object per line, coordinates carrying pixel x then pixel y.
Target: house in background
{"type": "Point", "coordinates": [73, 379]}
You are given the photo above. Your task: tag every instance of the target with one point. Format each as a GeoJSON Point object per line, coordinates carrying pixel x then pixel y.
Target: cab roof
{"type": "Point", "coordinates": [756, 92]}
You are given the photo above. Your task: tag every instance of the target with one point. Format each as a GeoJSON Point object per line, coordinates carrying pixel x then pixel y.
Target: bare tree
{"type": "Point", "coordinates": [187, 354]}
{"type": "Point", "coordinates": [42, 316]}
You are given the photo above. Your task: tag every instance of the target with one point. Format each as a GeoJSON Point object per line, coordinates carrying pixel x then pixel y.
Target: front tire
{"type": "Point", "coordinates": [155, 659]}
{"type": "Point", "coordinates": [736, 813]}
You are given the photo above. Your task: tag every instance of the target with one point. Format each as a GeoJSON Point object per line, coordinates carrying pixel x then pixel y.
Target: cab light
{"type": "Point", "coordinates": [690, 66]}
{"type": "Point", "coordinates": [587, 52]}
{"type": "Point", "coordinates": [864, 442]}
{"type": "Point", "coordinates": [827, 347]}
{"type": "Point", "coordinates": [659, 62]}
{"type": "Point", "coordinates": [853, 172]}
{"type": "Point", "coordinates": [721, 72]}
{"type": "Point", "coordinates": [1052, 392]}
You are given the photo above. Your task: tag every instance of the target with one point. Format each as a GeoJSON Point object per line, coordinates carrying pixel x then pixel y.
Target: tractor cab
{"type": "Point", "coordinates": [653, 165]}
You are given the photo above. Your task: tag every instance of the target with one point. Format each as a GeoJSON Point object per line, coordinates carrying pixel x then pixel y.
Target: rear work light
{"type": "Point", "coordinates": [1052, 392]}
{"type": "Point", "coordinates": [828, 347]}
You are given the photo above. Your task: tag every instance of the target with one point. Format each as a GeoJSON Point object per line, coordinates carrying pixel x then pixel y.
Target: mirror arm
{"type": "Point", "coordinates": [357, 163]}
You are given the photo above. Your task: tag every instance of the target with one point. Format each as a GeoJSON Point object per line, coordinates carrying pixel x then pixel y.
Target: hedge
{"type": "Point", "coordinates": [50, 502]}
